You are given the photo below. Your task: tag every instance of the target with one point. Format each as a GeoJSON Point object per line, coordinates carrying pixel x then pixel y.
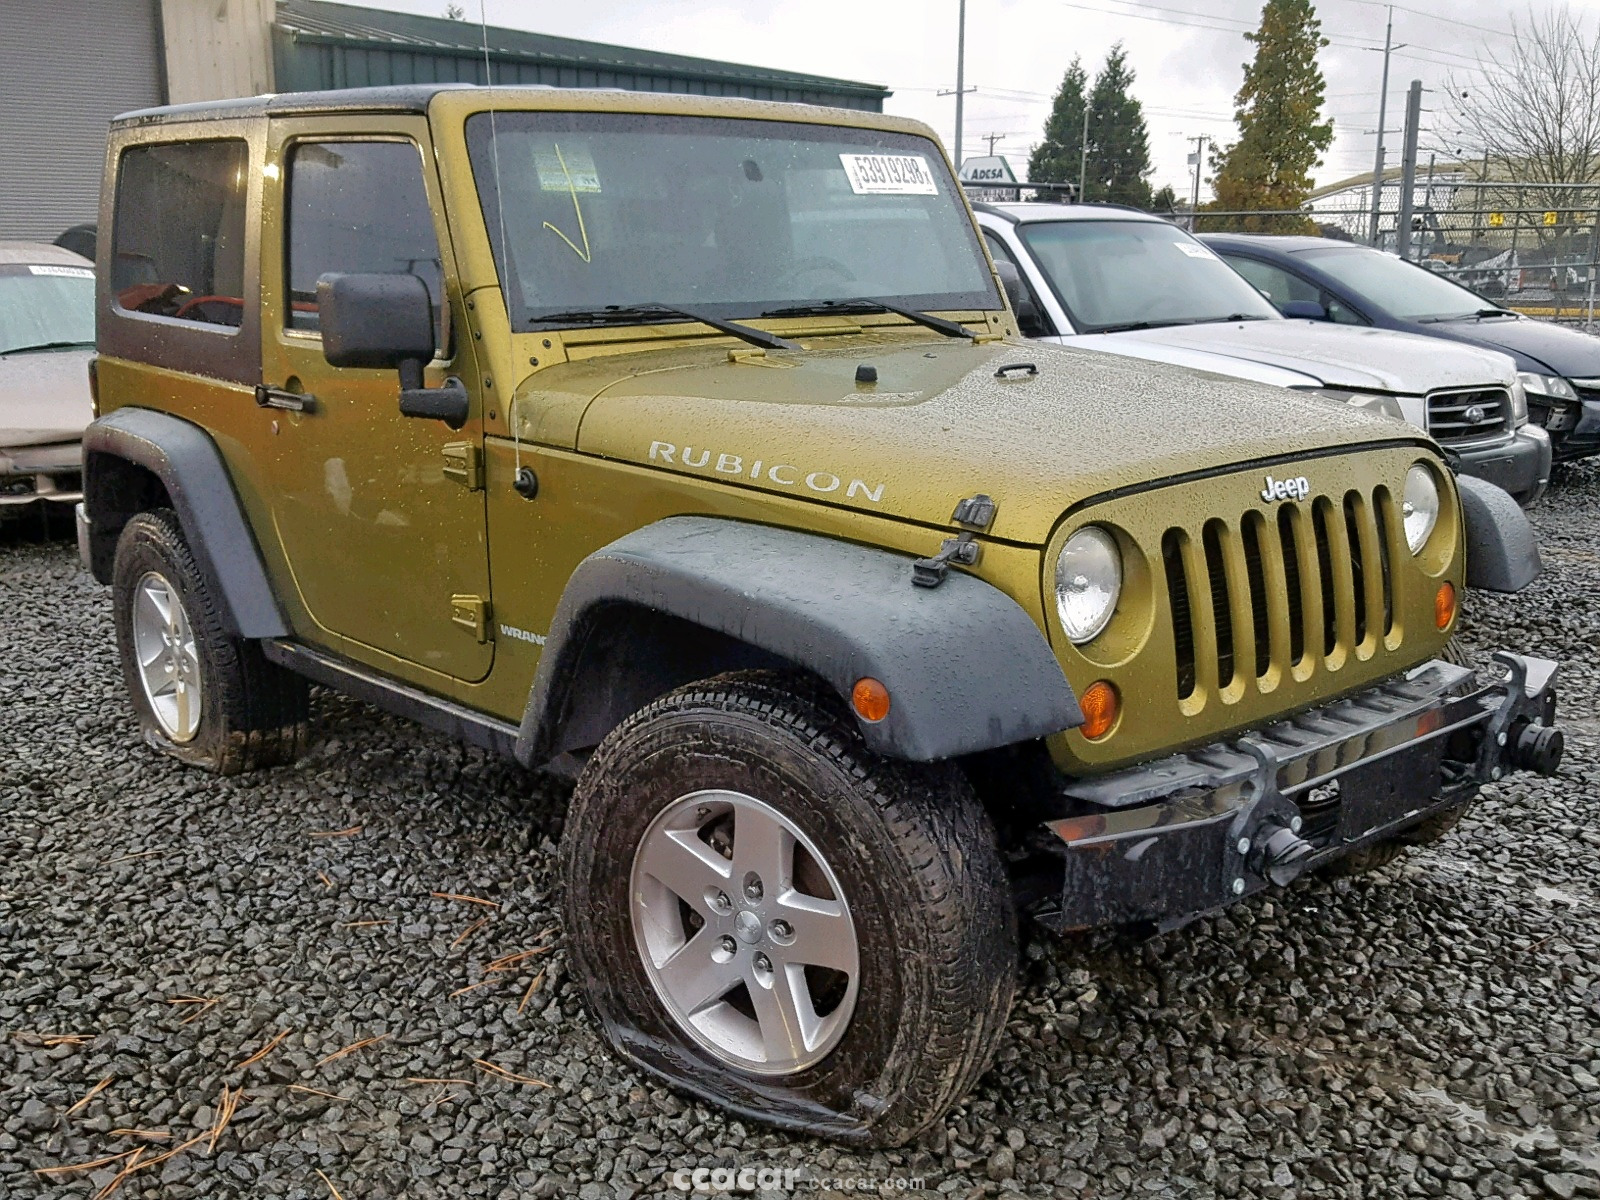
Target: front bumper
{"type": "Point", "coordinates": [1573, 426]}
{"type": "Point", "coordinates": [1520, 465]}
{"type": "Point", "coordinates": [41, 475]}
{"type": "Point", "coordinates": [1171, 840]}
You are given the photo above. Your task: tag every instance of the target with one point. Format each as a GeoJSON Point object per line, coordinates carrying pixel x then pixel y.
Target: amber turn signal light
{"type": "Point", "coordinates": [870, 699]}
{"type": "Point", "coordinates": [1100, 704]}
{"type": "Point", "coordinates": [1444, 605]}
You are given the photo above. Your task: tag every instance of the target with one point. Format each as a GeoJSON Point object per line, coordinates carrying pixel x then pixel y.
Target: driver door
{"type": "Point", "coordinates": [379, 517]}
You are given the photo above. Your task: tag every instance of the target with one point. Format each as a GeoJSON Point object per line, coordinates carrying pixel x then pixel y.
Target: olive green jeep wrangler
{"type": "Point", "coordinates": [686, 446]}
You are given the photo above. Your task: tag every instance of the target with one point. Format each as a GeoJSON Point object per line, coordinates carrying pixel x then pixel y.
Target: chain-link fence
{"type": "Point", "coordinates": [1532, 247]}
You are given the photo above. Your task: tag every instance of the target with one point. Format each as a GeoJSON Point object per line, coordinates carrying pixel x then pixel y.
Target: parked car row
{"type": "Point", "coordinates": [1115, 279]}
{"type": "Point", "coordinates": [1558, 367]}
{"type": "Point", "coordinates": [687, 446]}
{"type": "Point", "coordinates": [46, 340]}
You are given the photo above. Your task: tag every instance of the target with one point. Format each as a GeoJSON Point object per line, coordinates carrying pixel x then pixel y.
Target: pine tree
{"type": "Point", "coordinates": [1278, 110]}
{"type": "Point", "coordinates": [1119, 142]}
{"type": "Point", "coordinates": [1057, 158]}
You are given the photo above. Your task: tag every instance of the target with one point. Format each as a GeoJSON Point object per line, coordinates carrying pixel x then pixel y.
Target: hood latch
{"type": "Point", "coordinates": [974, 514]}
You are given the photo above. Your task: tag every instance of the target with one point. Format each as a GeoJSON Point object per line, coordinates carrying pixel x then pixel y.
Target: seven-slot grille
{"type": "Point", "coordinates": [1468, 415]}
{"type": "Point", "coordinates": [1276, 592]}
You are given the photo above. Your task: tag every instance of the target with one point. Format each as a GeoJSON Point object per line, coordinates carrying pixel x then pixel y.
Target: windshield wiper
{"type": "Point", "coordinates": [1130, 326]}
{"type": "Point", "coordinates": [613, 314]}
{"type": "Point", "coordinates": [868, 304]}
{"type": "Point", "coordinates": [45, 346]}
{"type": "Point", "coordinates": [1479, 315]}
{"type": "Point", "coordinates": [1227, 319]}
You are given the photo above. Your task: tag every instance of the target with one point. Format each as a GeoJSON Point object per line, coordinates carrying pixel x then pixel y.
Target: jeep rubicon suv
{"type": "Point", "coordinates": [686, 445]}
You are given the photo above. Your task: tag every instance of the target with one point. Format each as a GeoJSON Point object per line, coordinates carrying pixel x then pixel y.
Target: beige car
{"type": "Point", "coordinates": [46, 342]}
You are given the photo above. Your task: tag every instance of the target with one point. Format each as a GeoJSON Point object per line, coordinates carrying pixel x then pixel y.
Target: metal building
{"type": "Point", "coordinates": [320, 45]}
{"type": "Point", "coordinates": [63, 77]}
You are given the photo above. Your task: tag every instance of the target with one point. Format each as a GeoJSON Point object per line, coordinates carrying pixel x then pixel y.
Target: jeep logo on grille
{"type": "Point", "coordinates": [1297, 488]}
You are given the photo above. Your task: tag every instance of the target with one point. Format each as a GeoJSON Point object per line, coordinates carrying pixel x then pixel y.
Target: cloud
{"type": "Point", "coordinates": [1188, 55]}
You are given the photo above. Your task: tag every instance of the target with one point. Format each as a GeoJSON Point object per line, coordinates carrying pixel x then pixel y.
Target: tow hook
{"type": "Point", "coordinates": [1535, 748]}
{"type": "Point", "coordinates": [1282, 853]}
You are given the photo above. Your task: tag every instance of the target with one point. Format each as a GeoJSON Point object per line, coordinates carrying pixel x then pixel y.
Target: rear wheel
{"type": "Point", "coordinates": [768, 915]}
{"type": "Point", "coordinates": [199, 693]}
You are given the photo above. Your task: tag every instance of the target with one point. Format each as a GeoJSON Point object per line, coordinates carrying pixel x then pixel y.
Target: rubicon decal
{"type": "Point", "coordinates": [756, 470]}
{"type": "Point", "coordinates": [1297, 488]}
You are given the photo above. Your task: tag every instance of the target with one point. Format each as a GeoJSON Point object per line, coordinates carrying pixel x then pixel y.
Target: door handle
{"type": "Point", "coordinates": [269, 397]}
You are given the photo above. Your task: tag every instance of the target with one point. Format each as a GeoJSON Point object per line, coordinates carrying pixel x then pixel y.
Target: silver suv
{"type": "Point", "coordinates": [1101, 277]}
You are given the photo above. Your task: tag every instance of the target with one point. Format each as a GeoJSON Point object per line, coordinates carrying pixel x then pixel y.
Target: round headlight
{"type": "Point", "coordinates": [1088, 582]}
{"type": "Point", "coordinates": [1420, 508]}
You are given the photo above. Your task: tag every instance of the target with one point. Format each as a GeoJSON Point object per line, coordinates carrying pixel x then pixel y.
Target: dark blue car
{"type": "Point", "coordinates": [1356, 285]}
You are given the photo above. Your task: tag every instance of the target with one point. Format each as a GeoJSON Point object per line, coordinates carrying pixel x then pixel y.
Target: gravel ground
{"type": "Point", "coordinates": [1431, 1030]}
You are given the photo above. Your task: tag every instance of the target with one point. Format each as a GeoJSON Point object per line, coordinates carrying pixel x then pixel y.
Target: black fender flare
{"type": "Point", "coordinates": [1502, 548]}
{"type": "Point", "coordinates": [966, 668]}
{"type": "Point", "coordinates": [191, 469]}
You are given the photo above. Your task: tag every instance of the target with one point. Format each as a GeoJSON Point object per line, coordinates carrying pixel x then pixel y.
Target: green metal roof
{"type": "Point", "coordinates": [320, 45]}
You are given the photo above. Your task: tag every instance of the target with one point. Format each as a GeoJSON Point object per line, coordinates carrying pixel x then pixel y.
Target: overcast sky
{"type": "Point", "coordinates": [1188, 55]}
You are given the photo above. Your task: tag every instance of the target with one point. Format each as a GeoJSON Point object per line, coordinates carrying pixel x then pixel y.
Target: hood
{"type": "Point", "coordinates": [1338, 356]}
{"type": "Point", "coordinates": [1548, 348]}
{"type": "Point", "coordinates": [937, 426]}
{"type": "Point", "coordinates": [44, 397]}
{"type": "Point", "coordinates": [1134, 346]}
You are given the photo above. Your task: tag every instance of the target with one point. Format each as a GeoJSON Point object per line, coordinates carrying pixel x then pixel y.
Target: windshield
{"type": "Point", "coordinates": [721, 216]}
{"type": "Point", "coordinates": [45, 306]}
{"type": "Point", "coordinates": [1396, 287]}
{"type": "Point", "coordinates": [1112, 275]}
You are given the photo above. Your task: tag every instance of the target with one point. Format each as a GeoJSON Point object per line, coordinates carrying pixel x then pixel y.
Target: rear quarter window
{"type": "Point", "coordinates": [178, 249]}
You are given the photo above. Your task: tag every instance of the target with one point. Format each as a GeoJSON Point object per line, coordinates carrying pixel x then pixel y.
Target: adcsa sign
{"type": "Point", "coordinates": [993, 169]}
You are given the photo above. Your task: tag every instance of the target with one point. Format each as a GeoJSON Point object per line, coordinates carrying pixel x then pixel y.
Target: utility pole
{"type": "Point", "coordinates": [1383, 112]}
{"type": "Point", "coordinates": [1083, 154]}
{"type": "Point", "coordinates": [1408, 171]}
{"type": "Point", "coordinates": [1198, 158]}
{"type": "Point", "coordinates": [961, 75]}
{"type": "Point", "coordinates": [992, 138]}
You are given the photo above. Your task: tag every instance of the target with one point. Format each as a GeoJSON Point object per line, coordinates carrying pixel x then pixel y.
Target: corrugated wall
{"type": "Point", "coordinates": [62, 78]}
{"type": "Point", "coordinates": [217, 49]}
{"type": "Point", "coordinates": [309, 62]}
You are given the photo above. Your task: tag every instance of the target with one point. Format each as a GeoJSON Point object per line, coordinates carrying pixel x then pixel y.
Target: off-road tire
{"type": "Point", "coordinates": [253, 713]}
{"type": "Point", "coordinates": [915, 856]}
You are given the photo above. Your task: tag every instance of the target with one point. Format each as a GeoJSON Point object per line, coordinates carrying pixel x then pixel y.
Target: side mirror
{"type": "Point", "coordinates": [1028, 315]}
{"type": "Point", "coordinates": [387, 321]}
{"type": "Point", "coordinates": [1304, 310]}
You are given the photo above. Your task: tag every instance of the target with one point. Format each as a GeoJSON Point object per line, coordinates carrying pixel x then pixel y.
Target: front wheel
{"type": "Point", "coordinates": [768, 915]}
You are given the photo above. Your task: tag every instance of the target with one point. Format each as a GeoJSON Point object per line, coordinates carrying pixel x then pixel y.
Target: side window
{"type": "Point", "coordinates": [178, 249]}
{"type": "Point", "coordinates": [1038, 326]}
{"type": "Point", "coordinates": [1338, 313]}
{"type": "Point", "coordinates": [357, 207]}
{"type": "Point", "coordinates": [1274, 283]}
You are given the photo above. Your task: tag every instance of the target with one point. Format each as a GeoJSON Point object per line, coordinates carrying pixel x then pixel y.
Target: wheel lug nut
{"type": "Point", "coordinates": [782, 929]}
{"type": "Point", "coordinates": [762, 962]}
{"type": "Point", "coordinates": [721, 903]}
{"type": "Point", "coordinates": [728, 944]}
{"type": "Point", "coordinates": [752, 888]}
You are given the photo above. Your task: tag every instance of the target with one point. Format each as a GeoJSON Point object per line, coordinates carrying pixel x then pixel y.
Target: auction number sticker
{"type": "Point", "coordinates": [67, 272]}
{"type": "Point", "coordinates": [1193, 251]}
{"type": "Point", "coordinates": [889, 175]}
{"type": "Point", "coordinates": [566, 169]}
